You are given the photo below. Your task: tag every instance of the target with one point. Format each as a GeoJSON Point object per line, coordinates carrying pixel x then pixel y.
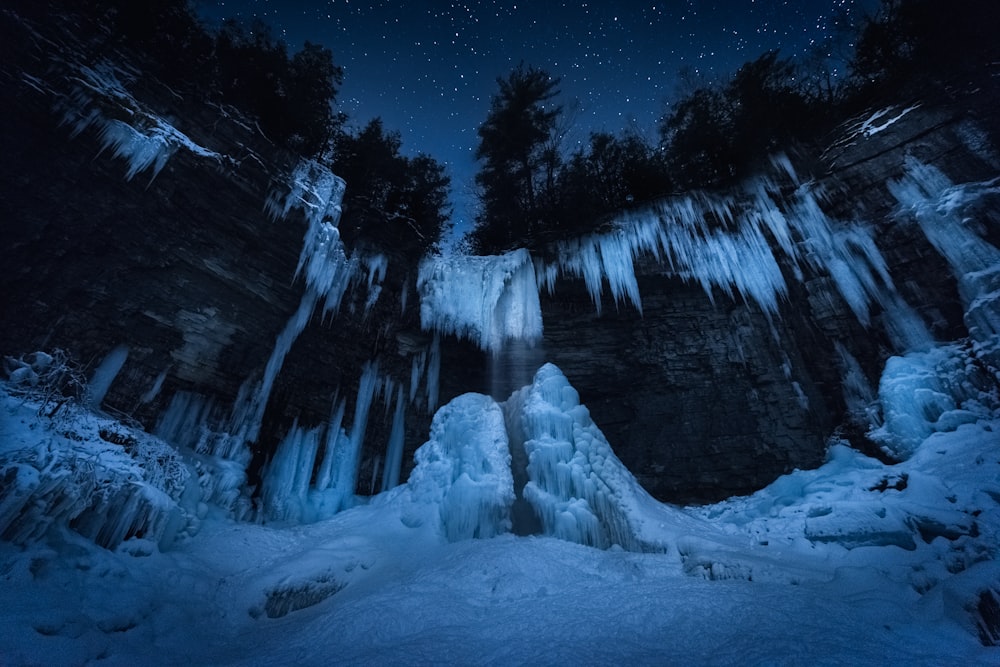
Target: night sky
{"type": "Point", "coordinates": [429, 68]}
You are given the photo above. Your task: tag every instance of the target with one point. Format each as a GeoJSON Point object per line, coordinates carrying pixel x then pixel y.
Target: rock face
{"type": "Point", "coordinates": [701, 398]}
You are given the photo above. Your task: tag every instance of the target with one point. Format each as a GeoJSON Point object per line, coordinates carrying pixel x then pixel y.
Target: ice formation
{"type": "Point", "coordinates": [104, 375]}
{"type": "Point", "coordinates": [942, 211]}
{"type": "Point", "coordinates": [145, 142]}
{"type": "Point", "coordinates": [286, 481]}
{"type": "Point", "coordinates": [577, 487]}
{"type": "Point", "coordinates": [486, 300]}
{"type": "Point", "coordinates": [938, 390]}
{"type": "Point", "coordinates": [105, 481]}
{"type": "Point", "coordinates": [464, 470]}
{"type": "Point", "coordinates": [739, 244]}
{"type": "Point", "coordinates": [394, 450]}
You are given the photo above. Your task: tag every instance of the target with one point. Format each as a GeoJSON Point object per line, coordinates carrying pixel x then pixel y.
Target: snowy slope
{"type": "Point", "coordinates": [856, 560]}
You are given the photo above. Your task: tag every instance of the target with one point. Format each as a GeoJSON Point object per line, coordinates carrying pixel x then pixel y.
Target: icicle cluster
{"type": "Point", "coordinates": [103, 480]}
{"type": "Point", "coordinates": [942, 211]}
{"type": "Point", "coordinates": [738, 244]}
{"type": "Point", "coordinates": [487, 300]}
{"type": "Point", "coordinates": [146, 141]}
{"type": "Point", "coordinates": [292, 493]}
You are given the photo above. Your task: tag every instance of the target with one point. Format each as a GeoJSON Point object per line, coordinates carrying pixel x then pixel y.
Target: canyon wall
{"type": "Point", "coordinates": [700, 397]}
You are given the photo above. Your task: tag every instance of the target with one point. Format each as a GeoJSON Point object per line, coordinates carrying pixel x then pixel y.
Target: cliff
{"type": "Point", "coordinates": [706, 387]}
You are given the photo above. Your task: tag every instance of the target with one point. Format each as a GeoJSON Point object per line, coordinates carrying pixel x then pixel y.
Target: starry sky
{"type": "Point", "coordinates": [429, 68]}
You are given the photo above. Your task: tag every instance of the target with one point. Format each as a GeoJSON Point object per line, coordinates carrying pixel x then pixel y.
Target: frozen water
{"type": "Point", "coordinates": [486, 300]}
{"type": "Point", "coordinates": [104, 375]}
{"type": "Point", "coordinates": [575, 484]}
{"type": "Point", "coordinates": [286, 481]}
{"type": "Point", "coordinates": [923, 393]}
{"type": "Point", "coordinates": [394, 449]}
{"type": "Point", "coordinates": [856, 561]}
{"type": "Point", "coordinates": [146, 142]}
{"type": "Point", "coordinates": [464, 470]}
{"type": "Point", "coordinates": [940, 209]}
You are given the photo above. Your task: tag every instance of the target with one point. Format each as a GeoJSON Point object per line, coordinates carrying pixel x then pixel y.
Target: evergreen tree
{"type": "Point", "coordinates": [520, 160]}
{"type": "Point", "coordinates": [392, 201]}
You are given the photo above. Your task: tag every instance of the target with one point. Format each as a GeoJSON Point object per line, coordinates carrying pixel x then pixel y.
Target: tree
{"type": "Point", "coordinates": [391, 201]}
{"type": "Point", "coordinates": [611, 174]}
{"type": "Point", "coordinates": [716, 135]}
{"type": "Point", "coordinates": [915, 42]}
{"type": "Point", "coordinates": [518, 147]}
{"type": "Point", "coordinates": [292, 97]}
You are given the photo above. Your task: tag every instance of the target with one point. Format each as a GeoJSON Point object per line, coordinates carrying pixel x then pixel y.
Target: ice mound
{"type": "Point", "coordinates": [464, 468]}
{"type": "Point", "coordinates": [922, 393]}
{"type": "Point", "coordinates": [577, 487]}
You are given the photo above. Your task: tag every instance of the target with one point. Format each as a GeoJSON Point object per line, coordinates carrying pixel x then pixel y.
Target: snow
{"type": "Point", "coordinates": [857, 561]}
{"type": "Point", "coordinates": [875, 123]}
{"type": "Point", "coordinates": [487, 300]}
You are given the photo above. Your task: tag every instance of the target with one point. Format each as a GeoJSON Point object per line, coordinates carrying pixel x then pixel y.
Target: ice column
{"type": "Point", "coordinates": [394, 452]}
{"type": "Point", "coordinates": [578, 488]}
{"type": "Point", "coordinates": [939, 208]}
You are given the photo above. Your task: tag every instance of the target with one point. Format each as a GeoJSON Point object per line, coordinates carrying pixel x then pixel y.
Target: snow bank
{"type": "Point", "coordinates": [486, 300]}
{"type": "Point", "coordinates": [90, 473]}
{"type": "Point", "coordinates": [464, 469]}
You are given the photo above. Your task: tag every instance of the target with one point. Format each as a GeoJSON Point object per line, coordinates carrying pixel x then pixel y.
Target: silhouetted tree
{"type": "Point", "coordinates": [520, 159]}
{"type": "Point", "coordinates": [611, 174]}
{"type": "Point", "coordinates": [391, 200]}
{"type": "Point", "coordinates": [916, 42]}
{"type": "Point", "coordinates": [718, 134]}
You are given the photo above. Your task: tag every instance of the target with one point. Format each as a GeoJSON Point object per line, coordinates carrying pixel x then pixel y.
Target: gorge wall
{"type": "Point", "coordinates": [701, 395]}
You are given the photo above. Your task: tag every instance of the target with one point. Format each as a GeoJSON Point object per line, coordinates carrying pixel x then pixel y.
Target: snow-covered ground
{"type": "Point", "coordinates": [856, 561]}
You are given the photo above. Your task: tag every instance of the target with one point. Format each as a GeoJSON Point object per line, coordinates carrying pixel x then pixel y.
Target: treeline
{"type": "Point", "coordinates": [394, 202]}
{"type": "Point", "coordinates": [715, 134]}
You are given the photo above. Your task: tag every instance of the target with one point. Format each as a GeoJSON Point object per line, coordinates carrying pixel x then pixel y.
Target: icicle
{"type": "Point", "coordinates": [394, 451]}
{"type": "Point", "coordinates": [938, 206]}
{"type": "Point", "coordinates": [377, 266]}
{"type": "Point", "coordinates": [346, 451]}
{"type": "Point", "coordinates": [147, 144]}
{"type": "Point", "coordinates": [285, 485]}
{"type": "Point", "coordinates": [248, 415]}
{"type": "Point", "coordinates": [104, 375]}
{"type": "Point", "coordinates": [154, 390]}
{"type": "Point", "coordinates": [333, 435]}
{"type": "Point", "coordinates": [433, 373]}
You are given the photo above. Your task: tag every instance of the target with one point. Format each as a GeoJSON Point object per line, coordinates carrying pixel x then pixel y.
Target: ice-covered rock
{"type": "Point", "coordinates": [922, 393]}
